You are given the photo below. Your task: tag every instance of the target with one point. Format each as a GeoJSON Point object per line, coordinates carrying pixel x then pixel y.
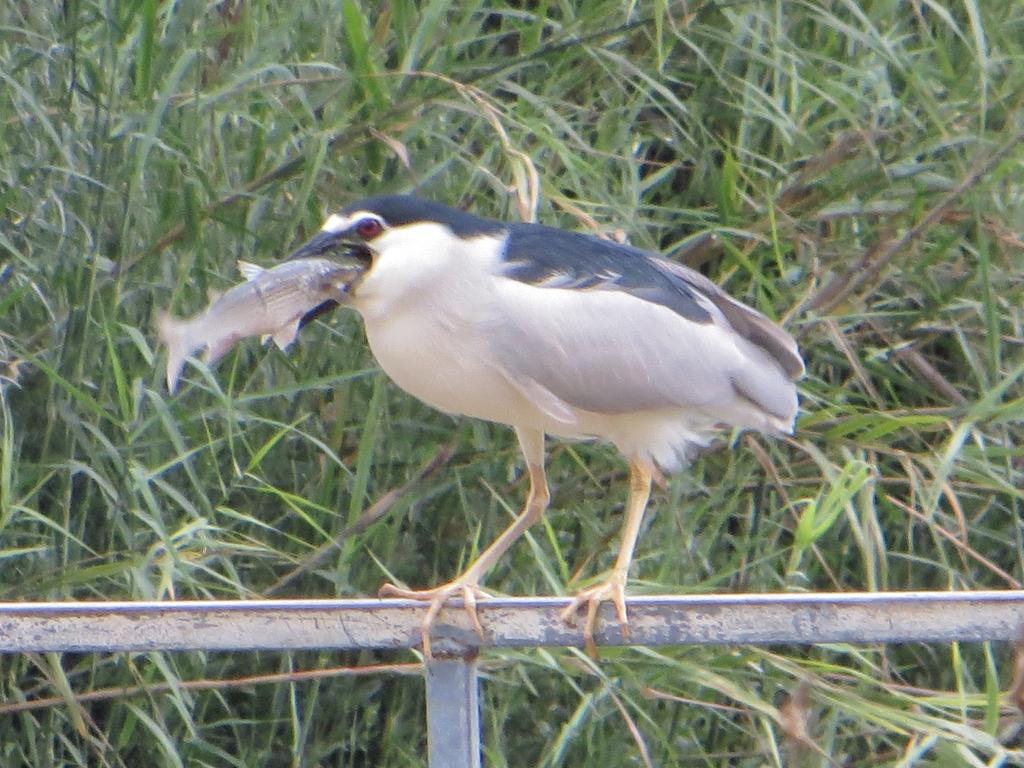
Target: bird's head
{"type": "Point", "coordinates": [403, 242]}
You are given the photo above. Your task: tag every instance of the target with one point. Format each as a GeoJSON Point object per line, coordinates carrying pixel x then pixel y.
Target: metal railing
{"type": "Point", "coordinates": [453, 707]}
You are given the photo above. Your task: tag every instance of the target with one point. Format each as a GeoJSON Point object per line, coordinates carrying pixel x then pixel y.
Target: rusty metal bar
{"type": "Point", "coordinates": [453, 706]}
{"type": "Point", "coordinates": [383, 624]}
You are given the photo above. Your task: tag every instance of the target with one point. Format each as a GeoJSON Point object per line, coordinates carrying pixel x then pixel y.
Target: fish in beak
{"type": "Point", "coordinates": [332, 243]}
{"type": "Point", "coordinates": [273, 303]}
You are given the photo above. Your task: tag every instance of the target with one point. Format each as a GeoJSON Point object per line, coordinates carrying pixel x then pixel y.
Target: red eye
{"type": "Point", "coordinates": [369, 228]}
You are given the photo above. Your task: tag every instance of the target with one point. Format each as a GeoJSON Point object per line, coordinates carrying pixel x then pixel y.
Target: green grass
{"type": "Point", "coordinates": [859, 164]}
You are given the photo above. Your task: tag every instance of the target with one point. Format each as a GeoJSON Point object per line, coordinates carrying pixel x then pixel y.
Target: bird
{"type": "Point", "coordinates": [556, 333]}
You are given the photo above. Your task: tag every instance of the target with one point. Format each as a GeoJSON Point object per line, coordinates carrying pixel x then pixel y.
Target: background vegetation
{"type": "Point", "coordinates": [860, 166]}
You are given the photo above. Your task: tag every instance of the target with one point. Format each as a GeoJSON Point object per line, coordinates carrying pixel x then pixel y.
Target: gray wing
{"type": "Point", "coordinates": [613, 351]}
{"type": "Point", "coordinates": [553, 258]}
{"type": "Point", "coordinates": [747, 322]}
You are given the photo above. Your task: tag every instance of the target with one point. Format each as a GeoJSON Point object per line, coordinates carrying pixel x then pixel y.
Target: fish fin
{"type": "Point", "coordinates": [219, 347]}
{"type": "Point", "coordinates": [177, 336]}
{"type": "Point", "coordinates": [249, 270]}
{"type": "Point", "coordinates": [286, 334]}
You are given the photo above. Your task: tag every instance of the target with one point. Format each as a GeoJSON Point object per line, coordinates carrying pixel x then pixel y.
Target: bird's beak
{"type": "Point", "coordinates": [338, 248]}
{"type": "Point", "coordinates": [323, 245]}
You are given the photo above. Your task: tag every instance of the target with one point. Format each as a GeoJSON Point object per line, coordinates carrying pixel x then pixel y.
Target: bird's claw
{"type": "Point", "coordinates": [613, 590]}
{"type": "Point", "coordinates": [437, 597]}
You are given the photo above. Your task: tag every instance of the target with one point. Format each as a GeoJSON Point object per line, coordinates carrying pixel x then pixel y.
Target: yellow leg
{"type": "Point", "coordinates": [614, 588]}
{"type": "Point", "coordinates": [467, 584]}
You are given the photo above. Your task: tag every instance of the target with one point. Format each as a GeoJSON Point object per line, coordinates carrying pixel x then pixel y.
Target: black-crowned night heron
{"type": "Point", "coordinates": [560, 333]}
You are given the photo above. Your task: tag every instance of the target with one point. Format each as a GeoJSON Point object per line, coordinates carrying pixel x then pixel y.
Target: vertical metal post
{"type": "Point", "coordinates": [453, 713]}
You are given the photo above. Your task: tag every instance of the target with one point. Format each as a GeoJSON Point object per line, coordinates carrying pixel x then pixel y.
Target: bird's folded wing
{"type": "Point", "coordinates": [611, 352]}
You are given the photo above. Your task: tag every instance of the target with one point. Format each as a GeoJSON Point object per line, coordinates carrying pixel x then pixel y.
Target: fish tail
{"type": "Point", "coordinates": [177, 335]}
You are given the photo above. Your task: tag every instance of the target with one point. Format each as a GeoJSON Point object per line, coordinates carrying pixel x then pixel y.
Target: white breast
{"type": "Point", "coordinates": [441, 367]}
{"type": "Point", "coordinates": [426, 310]}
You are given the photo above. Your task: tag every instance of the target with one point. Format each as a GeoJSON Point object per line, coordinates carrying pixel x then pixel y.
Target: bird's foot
{"type": "Point", "coordinates": [467, 589]}
{"type": "Point", "coordinates": [614, 590]}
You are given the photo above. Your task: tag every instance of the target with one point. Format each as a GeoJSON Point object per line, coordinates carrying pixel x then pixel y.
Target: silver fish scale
{"type": "Point", "coordinates": [311, 276]}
